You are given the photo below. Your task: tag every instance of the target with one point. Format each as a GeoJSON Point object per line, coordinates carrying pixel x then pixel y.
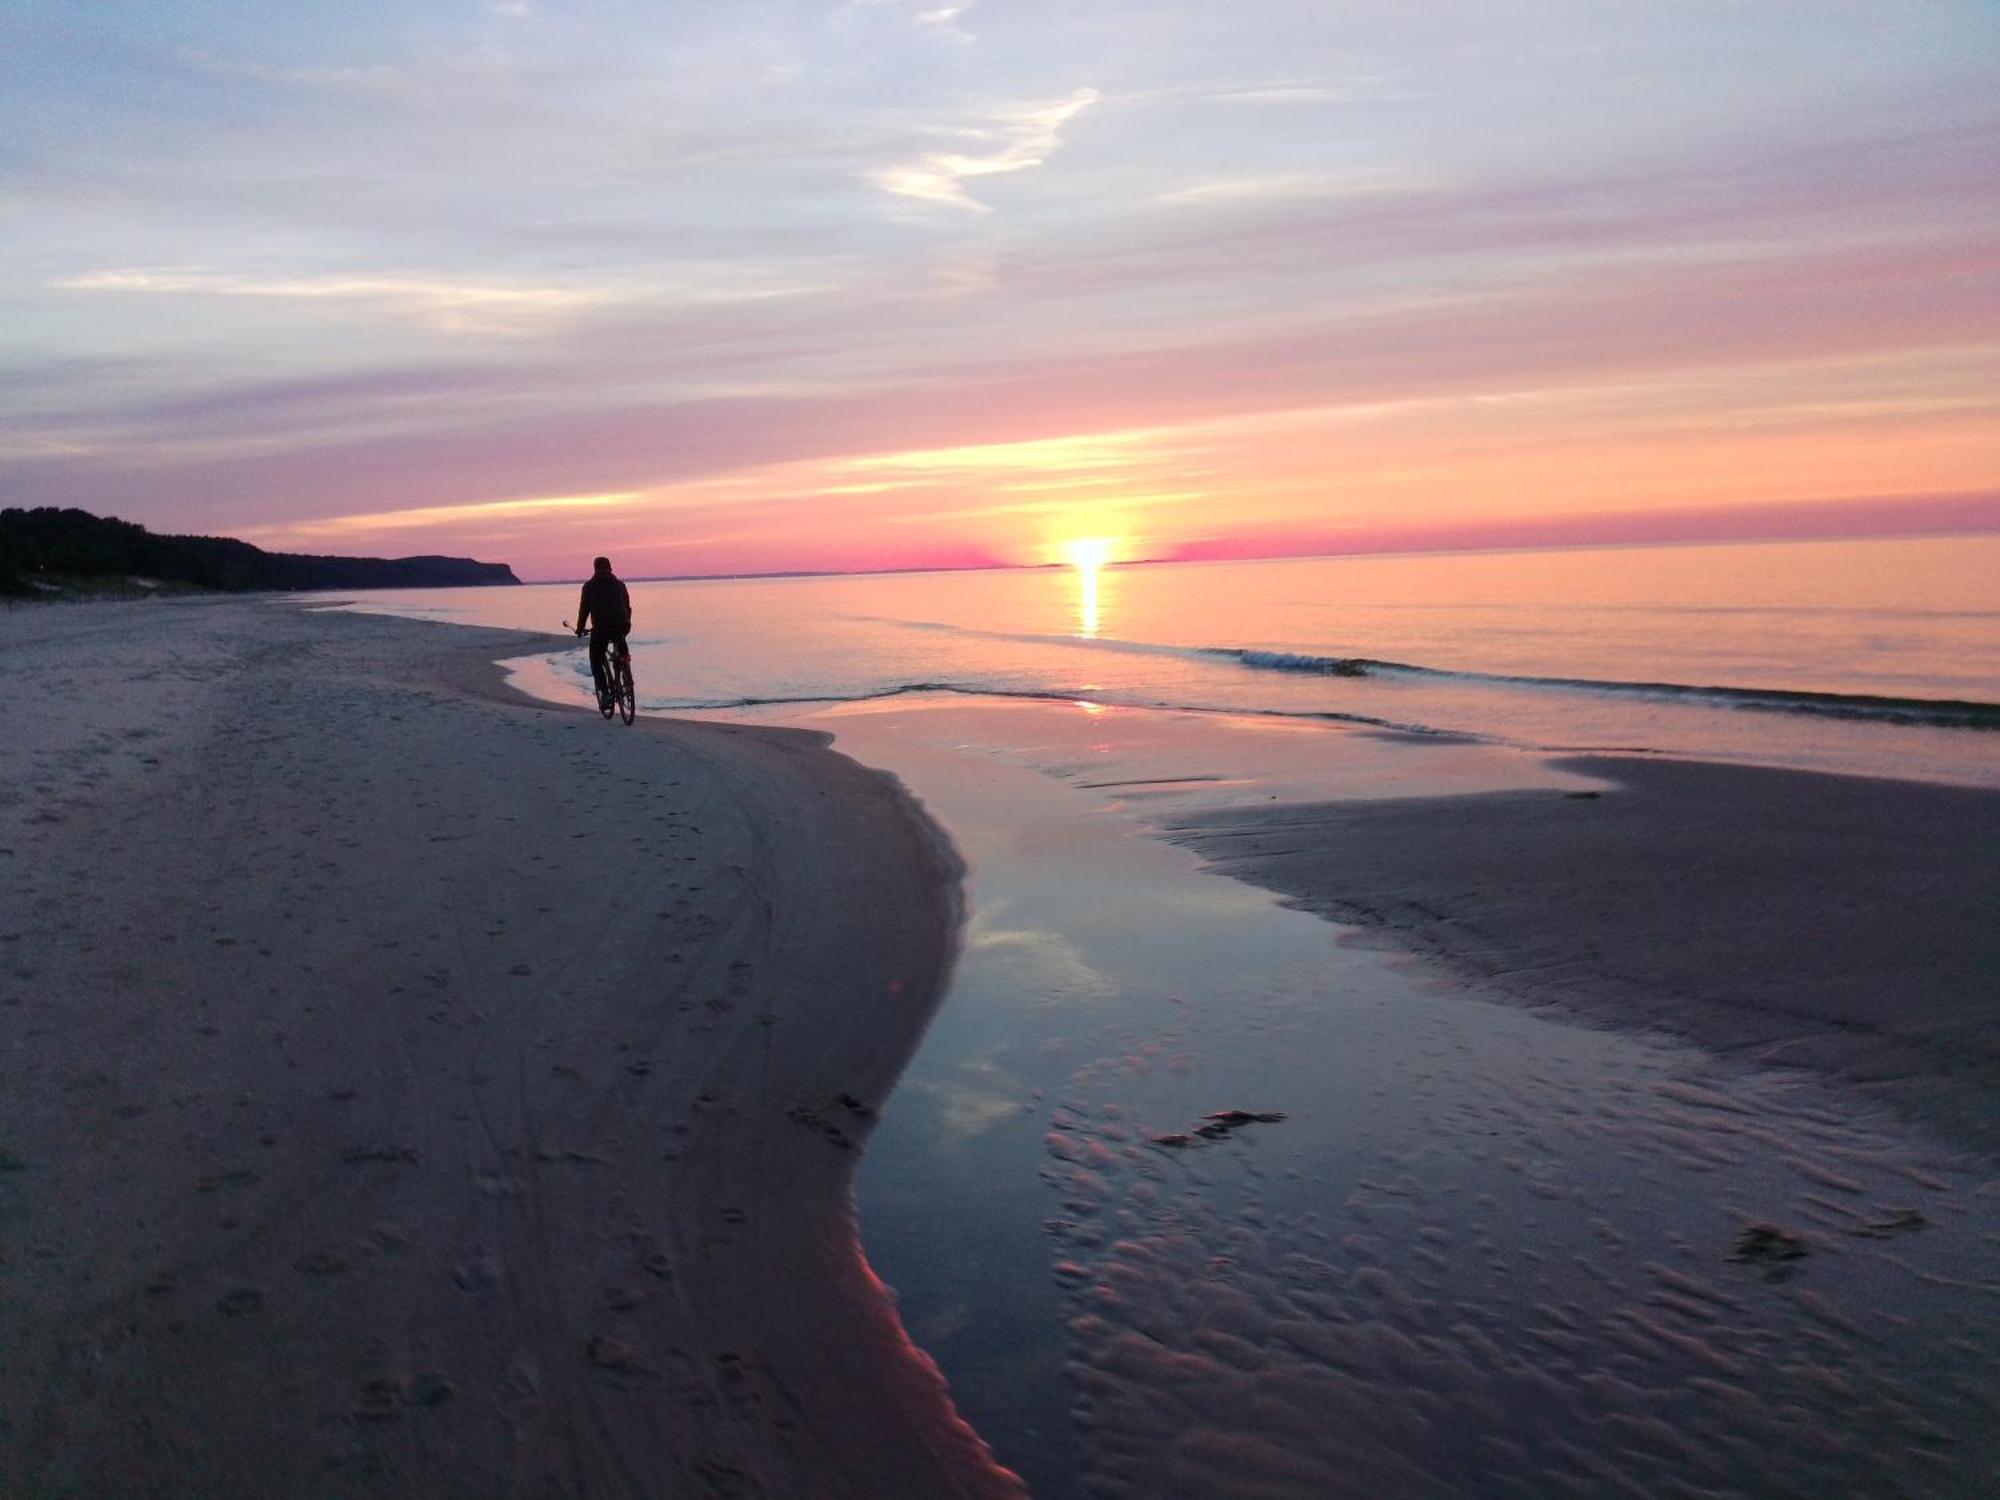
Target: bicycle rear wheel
{"type": "Point", "coordinates": [628, 702]}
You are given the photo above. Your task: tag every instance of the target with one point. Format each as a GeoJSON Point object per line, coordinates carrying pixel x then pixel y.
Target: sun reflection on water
{"type": "Point", "coordinates": [1086, 602]}
{"type": "Point", "coordinates": [1087, 556]}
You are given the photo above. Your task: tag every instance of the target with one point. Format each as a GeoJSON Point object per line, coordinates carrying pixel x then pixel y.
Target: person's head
{"type": "Point", "coordinates": [601, 565]}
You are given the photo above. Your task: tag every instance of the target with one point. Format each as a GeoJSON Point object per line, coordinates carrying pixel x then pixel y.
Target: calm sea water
{"type": "Point", "coordinates": [1875, 657]}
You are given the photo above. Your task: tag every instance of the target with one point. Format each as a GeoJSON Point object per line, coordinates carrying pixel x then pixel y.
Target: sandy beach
{"type": "Point", "coordinates": [414, 1090]}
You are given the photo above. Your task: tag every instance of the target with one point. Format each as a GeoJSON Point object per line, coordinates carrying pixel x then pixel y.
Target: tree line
{"type": "Point", "coordinates": [51, 546]}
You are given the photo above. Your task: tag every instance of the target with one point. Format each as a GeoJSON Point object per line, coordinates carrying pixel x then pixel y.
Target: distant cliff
{"type": "Point", "coordinates": [49, 547]}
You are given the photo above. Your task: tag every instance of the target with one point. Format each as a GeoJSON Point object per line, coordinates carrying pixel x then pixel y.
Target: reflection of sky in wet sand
{"type": "Point", "coordinates": [1037, 961]}
{"type": "Point", "coordinates": [1484, 1253]}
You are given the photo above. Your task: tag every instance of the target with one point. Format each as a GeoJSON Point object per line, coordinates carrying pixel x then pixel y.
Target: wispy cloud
{"type": "Point", "coordinates": [381, 79]}
{"type": "Point", "coordinates": [1014, 141]}
{"type": "Point", "coordinates": [944, 18]}
{"type": "Point", "coordinates": [1284, 93]}
{"type": "Point", "coordinates": [460, 306]}
{"type": "Point", "coordinates": [1361, 182]}
{"type": "Point", "coordinates": [419, 517]}
{"type": "Point", "coordinates": [1064, 455]}
{"type": "Point", "coordinates": [933, 15]}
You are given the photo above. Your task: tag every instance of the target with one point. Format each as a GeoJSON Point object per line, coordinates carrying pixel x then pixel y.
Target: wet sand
{"type": "Point", "coordinates": [1484, 1252]}
{"type": "Point", "coordinates": [416, 1090]}
{"type": "Point", "coordinates": [1832, 923]}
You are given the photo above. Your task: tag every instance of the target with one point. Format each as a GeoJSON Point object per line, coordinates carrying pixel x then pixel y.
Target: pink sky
{"type": "Point", "coordinates": [871, 284]}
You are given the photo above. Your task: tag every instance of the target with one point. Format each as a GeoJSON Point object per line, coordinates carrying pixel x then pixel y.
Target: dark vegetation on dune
{"type": "Point", "coordinates": [48, 553]}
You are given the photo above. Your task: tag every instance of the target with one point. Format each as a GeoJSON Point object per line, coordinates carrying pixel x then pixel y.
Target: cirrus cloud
{"type": "Point", "coordinates": [1014, 141]}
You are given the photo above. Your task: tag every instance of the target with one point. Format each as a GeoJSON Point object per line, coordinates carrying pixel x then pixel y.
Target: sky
{"type": "Point", "coordinates": [742, 285]}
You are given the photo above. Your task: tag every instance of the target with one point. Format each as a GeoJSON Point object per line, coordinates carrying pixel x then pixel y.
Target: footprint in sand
{"type": "Point", "coordinates": [652, 1260]}
{"type": "Point", "coordinates": [813, 1120]}
{"type": "Point", "coordinates": [214, 1181]}
{"type": "Point", "coordinates": [382, 1397]}
{"type": "Point", "coordinates": [382, 1153]}
{"type": "Point", "coordinates": [610, 1354]}
{"type": "Point", "coordinates": [479, 1275]}
{"type": "Point", "coordinates": [323, 1263]}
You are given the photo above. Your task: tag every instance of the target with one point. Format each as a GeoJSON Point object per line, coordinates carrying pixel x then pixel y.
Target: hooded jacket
{"type": "Point", "coordinates": [604, 606]}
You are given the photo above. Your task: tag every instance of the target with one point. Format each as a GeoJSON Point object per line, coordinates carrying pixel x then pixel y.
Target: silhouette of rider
{"type": "Point", "coordinates": [605, 609]}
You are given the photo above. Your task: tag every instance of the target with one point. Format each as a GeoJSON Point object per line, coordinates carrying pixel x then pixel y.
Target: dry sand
{"type": "Point", "coordinates": [1833, 923]}
{"type": "Point", "coordinates": [415, 1090]}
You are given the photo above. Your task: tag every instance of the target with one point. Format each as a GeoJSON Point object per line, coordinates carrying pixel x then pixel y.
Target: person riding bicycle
{"type": "Point", "coordinates": [605, 610]}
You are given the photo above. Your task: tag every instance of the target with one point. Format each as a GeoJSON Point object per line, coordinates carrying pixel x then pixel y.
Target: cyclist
{"type": "Point", "coordinates": [605, 610]}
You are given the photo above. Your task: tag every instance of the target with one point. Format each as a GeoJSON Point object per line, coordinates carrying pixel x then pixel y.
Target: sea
{"type": "Point", "coordinates": [1869, 657]}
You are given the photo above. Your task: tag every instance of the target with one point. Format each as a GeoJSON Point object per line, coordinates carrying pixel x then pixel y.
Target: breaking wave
{"type": "Point", "coordinates": [1936, 713]}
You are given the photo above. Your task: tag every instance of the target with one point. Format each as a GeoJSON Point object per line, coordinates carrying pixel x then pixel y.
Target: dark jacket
{"type": "Point", "coordinates": [605, 608]}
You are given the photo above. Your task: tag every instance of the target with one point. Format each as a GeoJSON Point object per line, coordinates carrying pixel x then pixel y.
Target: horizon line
{"type": "Point", "coordinates": [1982, 527]}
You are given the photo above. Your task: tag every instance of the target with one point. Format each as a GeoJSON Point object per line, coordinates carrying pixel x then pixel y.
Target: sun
{"type": "Point", "coordinates": [1088, 553]}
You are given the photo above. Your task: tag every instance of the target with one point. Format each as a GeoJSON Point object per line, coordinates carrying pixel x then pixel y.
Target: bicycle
{"type": "Point", "coordinates": [615, 694]}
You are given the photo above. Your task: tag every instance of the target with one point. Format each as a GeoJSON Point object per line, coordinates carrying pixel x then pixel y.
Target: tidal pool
{"type": "Point", "coordinates": [1484, 1252]}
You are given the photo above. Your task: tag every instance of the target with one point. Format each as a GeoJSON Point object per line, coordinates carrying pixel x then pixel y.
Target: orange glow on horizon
{"type": "Point", "coordinates": [1088, 554]}
{"type": "Point", "coordinates": [1569, 466]}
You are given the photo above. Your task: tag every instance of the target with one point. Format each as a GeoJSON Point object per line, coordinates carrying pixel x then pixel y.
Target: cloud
{"type": "Point", "coordinates": [1017, 140]}
{"type": "Point", "coordinates": [378, 78]}
{"type": "Point", "coordinates": [983, 421]}
{"type": "Point", "coordinates": [1281, 94]}
{"type": "Point", "coordinates": [1360, 182]}
{"type": "Point", "coordinates": [937, 15]}
{"type": "Point", "coordinates": [440, 515]}
{"type": "Point", "coordinates": [944, 18]}
{"type": "Point", "coordinates": [457, 306]}
{"type": "Point", "coordinates": [1064, 455]}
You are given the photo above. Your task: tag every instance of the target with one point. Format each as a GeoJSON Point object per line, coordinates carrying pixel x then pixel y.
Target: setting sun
{"type": "Point", "coordinates": [1087, 553]}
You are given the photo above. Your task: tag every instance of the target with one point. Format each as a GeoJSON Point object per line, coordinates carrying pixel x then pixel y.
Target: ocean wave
{"type": "Point", "coordinates": [1931, 713]}
{"type": "Point", "coordinates": [1294, 661]}
{"type": "Point", "coordinates": [1097, 697]}
{"type": "Point", "coordinates": [1935, 713]}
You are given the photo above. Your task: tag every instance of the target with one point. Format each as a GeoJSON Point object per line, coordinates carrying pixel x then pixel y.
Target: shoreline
{"type": "Point", "coordinates": [380, 1130]}
{"type": "Point", "coordinates": [1912, 1025]}
{"type": "Point", "coordinates": [1840, 925]}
